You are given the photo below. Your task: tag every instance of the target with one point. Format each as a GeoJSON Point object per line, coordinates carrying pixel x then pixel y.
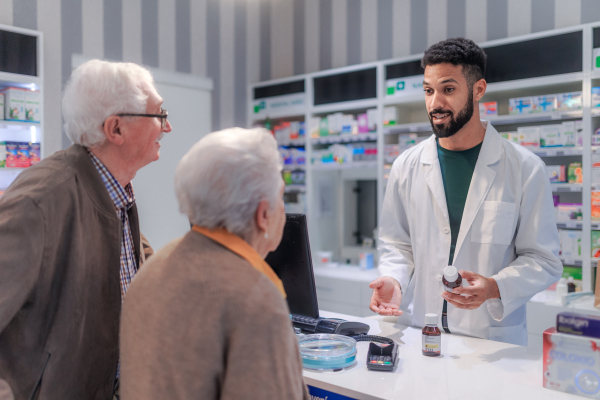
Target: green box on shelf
{"type": "Point", "coordinates": [575, 272]}
{"type": "Point", "coordinates": [595, 243]}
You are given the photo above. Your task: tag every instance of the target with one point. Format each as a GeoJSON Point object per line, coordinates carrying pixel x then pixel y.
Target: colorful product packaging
{"type": "Point", "coordinates": [372, 117]}
{"type": "Point", "coordinates": [34, 153]}
{"type": "Point", "coordinates": [568, 134]}
{"type": "Point", "coordinates": [596, 96]}
{"type": "Point", "coordinates": [545, 103]}
{"type": "Point", "coordinates": [556, 173]}
{"type": "Point", "coordinates": [595, 243]}
{"type": "Point", "coordinates": [570, 243]}
{"type": "Point", "coordinates": [324, 127]}
{"type": "Point", "coordinates": [32, 105]}
{"type": "Point", "coordinates": [363, 123]}
{"type": "Point", "coordinates": [14, 103]}
{"type": "Point", "coordinates": [522, 105]}
{"type": "Point", "coordinates": [313, 127]}
{"type": "Point", "coordinates": [488, 108]}
{"type": "Point", "coordinates": [550, 135]}
{"type": "Point", "coordinates": [366, 260]}
{"type": "Point", "coordinates": [23, 160]}
{"type": "Point", "coordinates": [569, 211]}
{"type": "Point", "coordinates": [406, 141]}
{"type": "Point", "coordinates": [12, 154]}
{"type": "Point", "coordinates": [578, 324]}
{"type": "Point", "coordinates": [595, 206]}
{"type": "Point", "coordinates": [569, 101]}
{"type": "Point", "coordinates": [575, 173]}
{"type": "Point", "coordinates": [528, 136]}
{"type": "Point", "coordinates": [2, 154]}
{"type": "Point", "coordinates": [390, 115]}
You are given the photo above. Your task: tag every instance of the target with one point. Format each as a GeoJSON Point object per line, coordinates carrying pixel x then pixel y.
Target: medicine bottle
{"type": "Point", "coordinates": [432, 336]}
{"type": "Point", "coordinates": [451, 278]}
{"type": "Point", "coordinates": [570, 285]}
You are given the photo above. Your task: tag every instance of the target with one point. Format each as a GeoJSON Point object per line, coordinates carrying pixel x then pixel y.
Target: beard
{"type": "Point", "coordinates": [455, 124]}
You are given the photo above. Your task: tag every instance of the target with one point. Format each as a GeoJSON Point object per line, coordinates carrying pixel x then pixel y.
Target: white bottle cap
{"type": "Point", "coordinates": [450, 273]}
{"type": "Point", "coordinates": [431, 319]}
{"type": "Point", "coordinates": [570, 279]}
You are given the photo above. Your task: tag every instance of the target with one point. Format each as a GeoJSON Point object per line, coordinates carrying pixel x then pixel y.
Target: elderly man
{"type": "Point", "coordinates": [70, 241]}
{"type": "Point", "coordinates": [207, 318]}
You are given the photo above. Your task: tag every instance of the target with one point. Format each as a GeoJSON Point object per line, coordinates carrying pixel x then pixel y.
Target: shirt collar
{"type": "Point", "coordinates": [122, 197]}
{"type": "Point", "coordinates": [240, 247]}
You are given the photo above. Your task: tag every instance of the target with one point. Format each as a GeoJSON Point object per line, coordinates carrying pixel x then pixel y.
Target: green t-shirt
{"type": "Point", "coordinates": [457, 170]}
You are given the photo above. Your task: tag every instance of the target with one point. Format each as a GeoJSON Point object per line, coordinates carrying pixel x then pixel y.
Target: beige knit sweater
{"type": "Point", "coordinates": [199, 322]}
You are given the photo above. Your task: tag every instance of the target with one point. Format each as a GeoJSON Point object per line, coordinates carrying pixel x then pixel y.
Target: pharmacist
{"type": "Point", "coordinates": [469, 198]}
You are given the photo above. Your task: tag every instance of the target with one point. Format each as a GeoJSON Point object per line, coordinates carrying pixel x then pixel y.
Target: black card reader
{"type": "Point", "coordinates": [382, 356]}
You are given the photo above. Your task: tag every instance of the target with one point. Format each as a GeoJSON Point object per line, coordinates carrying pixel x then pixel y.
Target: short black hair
{"type": "Point", "coordinates": [458, 51]}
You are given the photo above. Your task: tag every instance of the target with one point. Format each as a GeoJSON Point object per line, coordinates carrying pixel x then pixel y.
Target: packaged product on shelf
{"type": "Point", "coordinates": [32, 105]}
{"type": "Point", "coordinates": [391, 152]}
{"type": "Point", "coordinates": [390, 115]}
{"type": "Point", "coordinates": [23, 160]}
{"type": "Point", "coordinates": [569, 212]}
{"type": "Point", "coordinates": [569, 101]}
{"type": "Point", "coordinates": [550, 135]}
{"type": "Point", "coordinates": [301, 129]}
{"type": "Point", "coordinates": [298, 177]}
{"type": "Point", "coordinates": [34, 153]}
{"type": "Point", "coordinates": [567, 133]}
{"type": "Point", "coordinates": [544, 103]}
{"type": "Point", "coordinates": [579, 133]}
{"type": "Point", "coordinates": [294, 130]}
{"type": "Point", "coordinates": [1, 106]}
{"type": "Point", "coordinates": [528, 136]}
{"type": "Point", "coordinates": [595, 243]}
{"type": "Point", "coordinates": [556, 173]}
{"type": "Point", "coordinates": [570, 242]}
{"type": "Point", "coordinates": [595, 206]}
{"type": "Point", "coordinates": [2, 154]}
{"type": "Point", "coordinates": [347, 122]}
{"type": "Point", "coordinates": [575, 173]}
{"type": "Point", "coordinates": [371, 151]}
{"type": "Point", "coordinates": [596, 96]}
{"type": "Point", "coordinates": [12, 154]}
{"type": "Point", "coordinates": [595, 168]}
{"type": "Point", "coordinates": [406, 141]}
{"type": "Point", "coordinates": [14, 103]}
{"type": "Point", "coordinates": [489, 108]}
{"type": "Point", "coordinates": [522, 105]}
{"type": "Point", "coordinates": [286, 155]}
{"type": "Point", "coordinates": [287, 176]}
{"type": "Point", "coordinates": [314, 126]}
{"type": "Point", "coordinates": [372, 117]}
{"type": "Point", "coordinates": [324, 127]}
{"type": "Point", "coordinates": [363, 123]}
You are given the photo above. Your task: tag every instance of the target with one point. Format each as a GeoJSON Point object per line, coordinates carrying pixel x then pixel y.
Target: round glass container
{"type": "Point", "coordinates": [327, 352]}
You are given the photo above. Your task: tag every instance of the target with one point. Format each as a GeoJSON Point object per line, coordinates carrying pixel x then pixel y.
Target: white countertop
{"type": "Point", "coordinates": [468, 368]}
{"type": "Point", "coordinates": [348, 272]}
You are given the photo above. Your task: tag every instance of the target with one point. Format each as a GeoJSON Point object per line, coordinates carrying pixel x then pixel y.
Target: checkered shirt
{"type": "Point", "coordinates": [123, 200]}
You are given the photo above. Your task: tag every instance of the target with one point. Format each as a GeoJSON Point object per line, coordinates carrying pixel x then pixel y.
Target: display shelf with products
{"type": "Point", "coordinates": [21, 103]}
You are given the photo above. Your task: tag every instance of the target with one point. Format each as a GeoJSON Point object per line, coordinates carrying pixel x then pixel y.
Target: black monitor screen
{"type": "Point", "coordinates": [292, 262]}
{"type": "Point", "coordinates": [355, 85]}
{"type": "Point", "coordinates": [18, 53]}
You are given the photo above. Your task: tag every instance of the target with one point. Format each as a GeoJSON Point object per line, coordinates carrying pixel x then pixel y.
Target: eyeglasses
{"type": "Point", "coordinates": [163, 116]}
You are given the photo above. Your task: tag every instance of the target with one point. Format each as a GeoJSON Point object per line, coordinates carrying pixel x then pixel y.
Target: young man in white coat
{"type": "Point", "coordinates": [469, 198]}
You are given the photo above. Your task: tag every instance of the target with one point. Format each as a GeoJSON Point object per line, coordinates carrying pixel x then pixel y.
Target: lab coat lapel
{"type": "Point", "coordinates": [433, 175]}
{"type": "Point", "coordinates": [481, 182]}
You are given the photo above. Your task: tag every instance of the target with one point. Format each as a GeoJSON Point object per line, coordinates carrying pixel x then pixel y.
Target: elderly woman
{"type": "Point", "coordinates": [206, 317]}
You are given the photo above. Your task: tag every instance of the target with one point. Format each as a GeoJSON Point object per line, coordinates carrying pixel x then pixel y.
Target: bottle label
{"type": "Point", "coordinates": [432, 344]}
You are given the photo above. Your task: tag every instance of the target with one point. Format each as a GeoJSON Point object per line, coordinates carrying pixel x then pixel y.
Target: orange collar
{"type": "Point", "coordinates": [243, 249]}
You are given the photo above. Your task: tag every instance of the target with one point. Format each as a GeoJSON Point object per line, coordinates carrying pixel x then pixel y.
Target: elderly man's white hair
{"type": "Point", "coordinates": [98, 89]}
{"type": "Point", "coordinates": [222, 179]}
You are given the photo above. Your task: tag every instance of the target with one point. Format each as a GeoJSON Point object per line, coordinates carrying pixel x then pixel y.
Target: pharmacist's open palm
{"type": "Point", "coordinates": [386, 296]}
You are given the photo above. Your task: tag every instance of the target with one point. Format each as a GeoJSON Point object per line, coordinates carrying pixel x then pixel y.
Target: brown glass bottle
{"type": "Point", "coordinates": [451, 278]}
{"type": "Point", "coordinates": [432, 337]}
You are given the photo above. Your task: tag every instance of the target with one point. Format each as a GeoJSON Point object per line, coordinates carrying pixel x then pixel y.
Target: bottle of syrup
{"type": "Point", "coordinates": [571, 285]}
{"type": "Point", "coordinates": [451, 278]}
{"type": "Point", "coordinates": [432, 336]}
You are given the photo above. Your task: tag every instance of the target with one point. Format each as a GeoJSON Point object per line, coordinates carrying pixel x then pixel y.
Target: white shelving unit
{"type": "Point", "coordinates": [330, 234]}
{"type": "Point", "coordinates": [22, 131]}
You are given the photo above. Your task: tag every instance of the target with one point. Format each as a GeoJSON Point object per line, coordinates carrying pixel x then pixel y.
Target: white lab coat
{"type": "Point", "coordinates": [508, 232]}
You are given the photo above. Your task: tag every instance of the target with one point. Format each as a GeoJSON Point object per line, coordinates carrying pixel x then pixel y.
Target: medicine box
{"type": "Point", "coordinates": [545, 103]}
{"type": "Point", "coordinates": [14, 103]}
{"type": "Point", "coordinates": [595, 206]}
{"type": "Point", "coordinates": [363, 123]}
{"type": "Point", "coordinates": [34, 153]}
{"type": "Point", "coordinates": [2, 154]}
{"type": "Point", "coordinates": [1, 106]}
{"type": "Point", "coordinates": [550, 135]}
{"type": "Point", "coordinates": [595, 168]}
{"type": "Point", "coordinates": [406, 141]}
{"type": "Point", "coordinates": [489, 108]}
{"type": "Point", "coordinates": [570, 243]}
{"type": "Point", "coordinates": [521, 105]}
{"type": "Point", "coordinates": [578, 133]}
{"type": "Point", "coordinates": [568, 134]}
{"type": "Point", "coordinates": [324, 127]}
{"type": "Point", "coordinates": [23, 160]}
{"type": "Point", "coordinates": [569, 211]}
{"type": "Point", "coordinates": [390, 115]}
{"type": "Point", "coordinates": [556, 173]}
{"type": "Point", "coordinates": [575, 173]}
{"type": "Point", "coordinates": [32, 105]}
{"type": "Point", "coordinates": [578, 324]}
{"type": "Point", "coordinates": [595, 243]}
{"type": "Point", "coordinates": [372, 117]}
{"type": "Point", "coordinates": [571, 363]}
{"type": "Point", "coordinates": [569, 101]}
{"type": "Point", "coordinates": [528, 136]}
{"type": "Point", "coordinates": [596, 96]}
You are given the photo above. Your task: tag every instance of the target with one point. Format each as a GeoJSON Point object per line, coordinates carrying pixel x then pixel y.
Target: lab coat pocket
{"type": "Point", "coordinates": [516, 334]}
{"type": "Point", "coordinates": [493, 223]}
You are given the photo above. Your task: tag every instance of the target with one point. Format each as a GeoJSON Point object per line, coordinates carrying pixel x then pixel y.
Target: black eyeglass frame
{"type": "Point", "coordinates": [163, 116]}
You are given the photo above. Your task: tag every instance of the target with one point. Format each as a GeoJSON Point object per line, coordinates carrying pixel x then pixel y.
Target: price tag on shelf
{"type": "Point", "coordinates": [571, 225]}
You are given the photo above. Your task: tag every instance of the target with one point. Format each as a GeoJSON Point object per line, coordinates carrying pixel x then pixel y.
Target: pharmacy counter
{"type": "Point", "coordinates": [468, 368]}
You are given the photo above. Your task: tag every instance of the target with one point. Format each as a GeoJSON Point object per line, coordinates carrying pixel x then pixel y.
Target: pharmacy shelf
{"type": "Point", "coordinates": [361, 137]}
{"type": "Point", "coordinates": [566, 187]}
{"type": "Point", "coordinates": [292, 143]}
{"type": "Point", "coordinates": [295, 188]}
{"type": "Point", "coordinates": [351, 165]}
{"type": "Point", "coordinates": [344, 106]}
{"type": "Point", "coordinates": [534, 117]}
{"type": "Point", "coordinates": [577, 262]}
{"type": "Point", "coordinates": [22, 81]}
{"type": "Point", "coordinates": [557, 151]}
{"type": "Point", "coordinates": [294, 167]}
{"type": "Point", "coordinates": [18, 122]}
{"type": "Point", "coordinates": [569, 224]}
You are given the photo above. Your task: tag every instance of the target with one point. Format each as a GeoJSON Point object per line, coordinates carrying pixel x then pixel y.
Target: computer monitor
{"type": "Point", "coordinates": [292, 262]}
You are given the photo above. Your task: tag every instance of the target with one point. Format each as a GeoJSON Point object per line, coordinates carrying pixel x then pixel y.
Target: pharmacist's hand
{"type": "Point", "coordinates": [481, 289]}
{"type": "Point", "coordinates": [386, 296]}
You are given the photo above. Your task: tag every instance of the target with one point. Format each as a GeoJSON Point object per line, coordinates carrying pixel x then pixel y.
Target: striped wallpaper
{"type": "Point", "coordinates": [236, 42]}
